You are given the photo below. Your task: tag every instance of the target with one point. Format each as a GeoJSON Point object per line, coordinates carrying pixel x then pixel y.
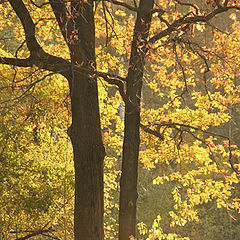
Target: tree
{"type": "Point", "coordinates": [128, 184]}
{"type": "Point", "coordinates": [85, 131]}
{"type": "Point", "coordinates": [76, 22]}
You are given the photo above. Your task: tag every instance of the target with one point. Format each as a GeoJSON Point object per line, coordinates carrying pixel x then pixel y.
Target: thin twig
{"type": "Point", "coordinates": [181, 66]}
{"type": "Point", "coordinates": [188, 4]}
{"type": "Point", "coordinates": [185, 128]}
{"type": "Point", "coordinates": [35, 233]}
{"type": "Point", "coordinates": [151, 131]}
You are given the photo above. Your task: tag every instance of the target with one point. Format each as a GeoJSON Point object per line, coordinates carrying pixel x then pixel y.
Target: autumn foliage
{"type": "Point", "coordinates": [167, 76]}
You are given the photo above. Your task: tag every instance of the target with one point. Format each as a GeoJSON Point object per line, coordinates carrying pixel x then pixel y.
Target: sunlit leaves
{"type": "Point", "coordinates": [191, 92]}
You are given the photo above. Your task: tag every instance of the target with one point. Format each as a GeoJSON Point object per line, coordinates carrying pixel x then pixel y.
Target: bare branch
{"type": "Point", "coordinates": [188, 4]}
{"type": "Point", "coordinates": [28, 25]}
{"type": "Point", "coordinates": [190, 46]}
{"type": "Point", "coordinates": [171, 124]}
{"type": "Point", "coordinates": [181, 66]}
{"type": "Point", "coordinates": [29, 87]}
{"type": "Point", "coordinates": [22, 79]}
{"type": "Point", "coordinates": [106, 21]}
{"type": "Point", "coordinates": [39, 6]}
{"type": "Point", "coordinates": [114, 81]}
{"type": "Point", "coordinates": [61, 66]}
{"type": "Point", "coordinates": [187, 128]}
{"type": "Point", "coordinates": [16, 62]}
{"type": "Point", "coordinates": [50, 236]}
{"type": "Point", "coordinates": [36, 233]}
{"type": "Point", "coordinates": [123, 4]}
{"type": "Point", "coordinates": [98, 73]}
{"type": "Point", "coordinates": [46, 61]}
{"type": "Point", "coordinates": [158, 10]}
{"type": "Point", "coordinates": [171, 28]}
{"type": "Point", "coordinates": [108, 77]}
{"type": "Point", "coordinates": [38, 56]}
{"type": "Point", "coordinates": [135, 3]}
{"type": "Point", "coordinates": [79, 68]}
{"type": "Point", "coordinates": [18, 49]}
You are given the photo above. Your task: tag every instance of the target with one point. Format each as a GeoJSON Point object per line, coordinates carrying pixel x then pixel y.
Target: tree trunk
{"type": "Point", "coordinates": [89, 153]}
{"type": "Point", "coordinates": [128, 183]}
{"type": "Point", "coordinates": [85, 131]}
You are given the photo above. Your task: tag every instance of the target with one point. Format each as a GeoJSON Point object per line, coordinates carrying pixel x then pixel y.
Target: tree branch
{"type": "Point", "coordinates": [181, 127]}
{"type": "Point", "coordinates": [152, 132]}
{"type": "Point", "coordinates": [123, 4]}
{"type": "Point", "coordinates": [114, 81]}
{"type": "Point", "coordinates": [29, 87]}
{"type": "Point", "coordinates": [108, 77]}
{"type": "Point", "coordinates": [188, 20]}
{"type": "Point", "coordinates": [181, 66]}
{"type": "Point", "coordinates": [16, 62]}
{"type": "Point", "coordinates": [38, 56]}
{"type": "Point", "coordinates": [39, 6]}
{"type": "Point", "coordinates": [33, 234]}
{"type": "Point", "coordinates": [188, 4]}
{"type": "Point", "coordinates": [60, 12]}
{"type": "Point", "coordinates": [44, 61]}
{"type": "Point", "coordinates": [28, 25]}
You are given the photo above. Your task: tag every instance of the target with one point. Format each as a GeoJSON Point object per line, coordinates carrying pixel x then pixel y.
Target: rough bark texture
{"type": "Point", "coordinates": [128, 183]}
{"type": "Point", "coordinates": [85, 131]}
{"type": "Point", "coordinates": [88, 159]}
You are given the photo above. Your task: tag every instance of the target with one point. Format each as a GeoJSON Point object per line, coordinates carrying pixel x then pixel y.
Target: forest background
{"type": "Point", "coordinates": [167, 70]}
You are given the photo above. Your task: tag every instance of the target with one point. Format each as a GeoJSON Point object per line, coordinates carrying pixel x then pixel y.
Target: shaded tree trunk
{"type": "Point", "coordinates": [88, 159]}
{"type": "Point", "coordinates": [85, 131]}
{"type": "Point", "coordinates": [128, 183]}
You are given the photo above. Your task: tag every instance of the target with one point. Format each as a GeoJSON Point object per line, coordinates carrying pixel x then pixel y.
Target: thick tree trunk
{"type": "Point", "coordinates": [85, 131]}
{"type": "Point", "coordinates": [128, 183]}
{"type": "Point", "coordinates": [88, 160]}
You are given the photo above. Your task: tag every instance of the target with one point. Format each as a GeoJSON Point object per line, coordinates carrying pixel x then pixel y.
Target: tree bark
{"type": "Point", "coordinates": [85, 131]}
{"type": "Point", "coordinates": [128, 183]}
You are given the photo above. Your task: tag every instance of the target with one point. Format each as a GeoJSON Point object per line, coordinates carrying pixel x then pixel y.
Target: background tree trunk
{"type": "Point", "coordinates": [128, 183]}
